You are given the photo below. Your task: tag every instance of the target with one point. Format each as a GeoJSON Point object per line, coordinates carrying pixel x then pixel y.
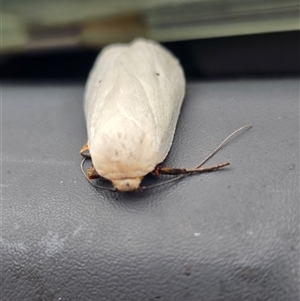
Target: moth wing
{"type": "Point", "coordinates": [163, 81]}
{"type": "Point", "coordinates": [95, 89]}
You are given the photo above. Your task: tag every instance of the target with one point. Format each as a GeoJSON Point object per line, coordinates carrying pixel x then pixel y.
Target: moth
{"type": "Point", "coordinates": [132, 102]}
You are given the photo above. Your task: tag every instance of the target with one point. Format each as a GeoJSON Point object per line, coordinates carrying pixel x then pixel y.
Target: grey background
{"type": "Point", "coordinates": [228, 235]}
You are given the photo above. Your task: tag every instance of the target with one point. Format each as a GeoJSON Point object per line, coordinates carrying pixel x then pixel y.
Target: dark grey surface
{"type": "Point", "coordinates": [227, 235]}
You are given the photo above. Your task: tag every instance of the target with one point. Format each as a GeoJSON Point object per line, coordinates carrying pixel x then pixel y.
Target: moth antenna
{"type": "Point", "coordinates": [187, 173]}
{"type": "Point", "coordinates": [91, 182]}
{"type": "Point", "coordinates": [222, 144]}
{"type": "Point", "coordinates": [202, 163]}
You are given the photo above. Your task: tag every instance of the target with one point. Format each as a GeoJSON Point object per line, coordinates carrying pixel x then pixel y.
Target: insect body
{"type": "Point", "coordinates": [132, 102]}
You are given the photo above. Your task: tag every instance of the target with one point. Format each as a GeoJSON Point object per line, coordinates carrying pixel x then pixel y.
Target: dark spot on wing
{"type": "Point", "coordinates": [100, 81]}
{"type": "Point", "coordinates": [157, 74]}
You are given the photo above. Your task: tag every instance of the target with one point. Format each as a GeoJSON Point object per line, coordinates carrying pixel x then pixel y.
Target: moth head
{"type": "Point", "coordinates": [129, 184]}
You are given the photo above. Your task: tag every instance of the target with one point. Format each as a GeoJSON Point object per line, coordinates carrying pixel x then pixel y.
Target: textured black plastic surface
{"type": "Point", "coordinates": [227, 235]}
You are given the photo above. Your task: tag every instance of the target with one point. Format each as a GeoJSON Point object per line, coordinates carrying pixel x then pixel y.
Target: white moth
{"type": "Point", "coordinates": [132, 102]}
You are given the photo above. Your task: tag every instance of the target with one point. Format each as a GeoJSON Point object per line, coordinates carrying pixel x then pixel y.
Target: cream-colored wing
{"type": "Point", "coordinates": [163, 81]}
{"type": "Point", "coordinates": [95, 89]}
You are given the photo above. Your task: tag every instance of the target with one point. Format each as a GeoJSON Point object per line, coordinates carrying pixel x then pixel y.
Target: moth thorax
{"type": "Point", "coordinates": [129, 184]}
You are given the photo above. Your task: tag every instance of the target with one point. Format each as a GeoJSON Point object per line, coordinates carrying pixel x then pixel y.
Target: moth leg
{"type": "Point", "coordinates": [180, 171]}
{"type": "Point", "coordinates": [85, 151]}
{"type": "Point", "coordinates": [92, 173]}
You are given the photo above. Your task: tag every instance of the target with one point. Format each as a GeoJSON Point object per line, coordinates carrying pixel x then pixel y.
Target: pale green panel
{"type": "Point", "coordinates": [215, 18]}
{"type": "Point", "coordinates": [57, 12]}
{"type": "Point", "coordinates": [13, 33]}
{"type": "Point", "coordinates": [60, 23]}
